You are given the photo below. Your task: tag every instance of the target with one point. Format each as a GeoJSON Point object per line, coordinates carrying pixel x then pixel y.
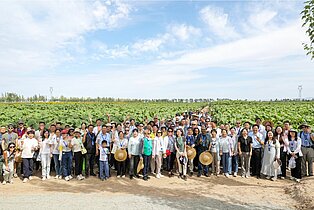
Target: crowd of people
{"type": "Point", "coordinates": [157, 148]}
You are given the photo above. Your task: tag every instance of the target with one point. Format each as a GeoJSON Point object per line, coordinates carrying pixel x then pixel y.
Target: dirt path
{"type": "Point", "coordinates": [165, 193]}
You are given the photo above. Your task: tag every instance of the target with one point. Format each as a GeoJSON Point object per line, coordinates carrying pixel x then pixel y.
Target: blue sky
{"type": "Point", "coordinates": [154, 49]}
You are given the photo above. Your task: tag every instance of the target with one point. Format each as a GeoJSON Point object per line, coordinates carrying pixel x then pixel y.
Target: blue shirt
{"type": "Point", "coordinates": [190, 140]}
{"type": "Point", "coordinates": [256, 144]}
{"type": "Point", "coordinates": [305, 139]}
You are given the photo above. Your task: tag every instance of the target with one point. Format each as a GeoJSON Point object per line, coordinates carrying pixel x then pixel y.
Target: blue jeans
{"type": "Point", "coordinates": [103, 169]}
{"type": "Point", "coordinates": [201, 167]}
{"type": "Point", "coordinates": [225, 162]}
{"type": "Point", "coordinates": [233, 164]}
{"type": "Point", "coordinates": [57, 162]}
{"type": "Point", "coordinates": [66, 163]}
{"type": "Point", "coordinates": [146, 159]}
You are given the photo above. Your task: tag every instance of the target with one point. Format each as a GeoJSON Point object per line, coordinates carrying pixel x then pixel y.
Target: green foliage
{"type": "Point", "coordinates": [308, 22]}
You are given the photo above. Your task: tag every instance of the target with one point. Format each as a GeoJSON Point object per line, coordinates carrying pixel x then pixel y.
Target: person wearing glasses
{"type": "Point", "coordinates": [8, 165]}
{"type": "Point", "coordinates": [29, 146]}
{"type": "Point", "coordinates": [10, 137]}
{"type": "Point", "coordinates": [170, 151]}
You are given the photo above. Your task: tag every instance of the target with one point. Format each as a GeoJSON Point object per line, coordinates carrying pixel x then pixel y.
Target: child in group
{"type": "Point", "coordinates": [103, 161]}
{"type": "Point", "coordinates": [8, 165]}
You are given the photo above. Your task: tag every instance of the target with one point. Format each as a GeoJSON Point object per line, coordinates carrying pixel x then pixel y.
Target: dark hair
{"type": "Point", "coordinates": [90, 125]}
{"type": "Point", "coordinates": [213, 130]}
{"type": "Point", "coordinates": [194, 133]}
{"type": "Point", "coordinates": [42, 122]}
{"type": "Point", "coordinates": [289, 136]}
{"type": "Point", "coordinates": [179, 129]}
{"type": "Point", "coordinates": [120, 132]}
{"type": "Point", "coordinates": [243, 130]}
{"type": "Point", "coordinates": [59, 129]}
{"type": "Point", "coordinates": [286, 121]}
{"type": "Point", "coordinates": [11, 143]}
{"type": "Point", "coordinates": [104, 141]}
{"type": "Point", "coordinates": [135, 129]}
{"type": "Point", "coordinates": [189, 128]}
{"type": "Point", "coordinates": [224, 130]}
{"type": "Point", "coordinates": [60, 123]}
{"type": "Point", "coordinates": [43, 135]}
{"type": "Point", "coordinates": [267, 138]}
{"type": "Point", "coordinates": [256, 126]}
{"type": "Point", "coordinates": [98, 120]}
{"type": "Point", "coordinates": [83, 123]}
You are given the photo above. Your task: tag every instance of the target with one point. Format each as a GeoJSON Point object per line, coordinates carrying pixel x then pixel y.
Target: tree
{"type": "Point", "coordinates": [308, 22]}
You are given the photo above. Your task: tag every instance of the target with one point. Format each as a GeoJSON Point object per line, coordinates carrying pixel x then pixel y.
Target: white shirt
{"type": "Point", "coordinates": [103, 152]}
{"type": "Point", "coordinates": [45, 146]}
{"type": "Point", "coordinates": [29, 146]}
{"type": "Point", "coordinates": [159, 146]}
{"type": "Point", "coordinates": [95, 130]}
{"type": "Point", "coordinates": [55, 141]}
{"type": "Point", "coordinates": [77, 144]}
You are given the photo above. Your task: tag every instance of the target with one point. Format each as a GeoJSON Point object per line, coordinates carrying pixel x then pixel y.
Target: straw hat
{"type": "Point", "coordinates": [206, 158]}
{"type": "Point", "coordinates": [268, 122]}
{"type": "Point", "coordinates": [77, 130]}
{"type": "Point", "coordinates": [120, 155]}
{"type": "Point", "coordinates": [276, 164]}
{"type": "Point", "coordinates": [191, 152]}
{"type": "Point", "coordinates": [140, 166]}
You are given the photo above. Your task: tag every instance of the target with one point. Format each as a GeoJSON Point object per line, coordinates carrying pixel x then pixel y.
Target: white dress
{"type": "Point", "coordinates": [271, 151]}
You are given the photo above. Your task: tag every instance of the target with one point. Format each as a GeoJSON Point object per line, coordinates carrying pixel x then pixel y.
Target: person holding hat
{"type": "Point", "coordinates": [202, 144]}
{"type": "Point", "coordinates": [122, 144]}
{"type": "Point", "coordinates": [8, 164]}
{"type": "Point", "coordinates": [77, 145]}
{"type": "Point", "coordinates": [46, 154]}
{"type": "Point", "coordinates": [180, 145]}
{"type": "Point", "coordinates": [158, 153]}
{"type": "Point", "coordinates": [190, 141]}
{"type": "Point", "coordinates": [66, 161]}
{"type": "Point", "coordinates": [29, 146]}
{"type": "Point", "coordinates": [146, 151]}
{"type": "Point", "coordinates": [295, 153]}
{"type": "Point", "coordinates": [134, 152]}
{"type": "Point", "coordinates": [307, 147]}
{"type": "Point", "coordinates": [169, 141]}
{"type": "Point", "coordinates": [271, 154]}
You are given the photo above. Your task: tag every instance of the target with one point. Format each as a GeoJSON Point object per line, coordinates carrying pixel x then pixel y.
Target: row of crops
{"type": "Point", "coordinates": [76, 113]}
{"type": "Point", "coordinates": [297, 112]}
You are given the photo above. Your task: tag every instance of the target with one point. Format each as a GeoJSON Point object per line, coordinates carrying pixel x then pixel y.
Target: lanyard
{"type": "Point", "coordinates": [269, 145]}
{"type": "Point", "coordinates": [65, 144]}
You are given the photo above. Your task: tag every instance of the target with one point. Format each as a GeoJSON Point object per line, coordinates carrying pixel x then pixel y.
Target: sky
{"type": "Point", "coordinates": [154, 49]}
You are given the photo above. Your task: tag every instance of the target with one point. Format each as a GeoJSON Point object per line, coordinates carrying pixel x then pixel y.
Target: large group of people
{"type": "Point", "coordinates": [157, 149]}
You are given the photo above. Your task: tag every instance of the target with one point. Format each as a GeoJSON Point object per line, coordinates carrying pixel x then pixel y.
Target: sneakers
{"type": "Point", "coordinates": [57, 176]}
{"type": "Point", "coordinates": [158, 176]}
{"type": "Point", "coordinates": [11, 182]}
{"type": "Point", "coordinates": [242, 176]}
{"type": "Point", "coordinates": [292, 178]}
{"type": "Point", "coordinates": [67, 178]}
{"type": "Point", "coordinates": [78, 177]}
{"type": "Point", "coordinates": [60, 177]}
{"type": "Point", "coordinates": [297, 180]}
{"type": "Point", "coordinates": [145, 178]}
{"type": "Point", "coordinates": [4, 182]}
{"type": "Point", "coordinates": [44, 178]}
{"type": "Point", "coordinates": [235, 174]}
{"type": "Point", "coordinates": [227, 175]}
{"type": "Point", "coordinates": [273, 179]}
{"type": "Point", "coordinates": [25, 180]}
{"type": "Point", "coordinates": [15, 175]}
{"type": "Point", "coordinates": [282, 177]}
{"type": "Point", "coordinates": [30, 178]}
{"type": "Point", "coordinates": [268, 177]}
{"type": "Point", "coordinates": [70, 177]}
{"type": "Point", "coordinates": [184, 178]}
{"type": "Point", "coordinates": [48, 177]}
{"type": "Point", "coordinates": [123, 176]}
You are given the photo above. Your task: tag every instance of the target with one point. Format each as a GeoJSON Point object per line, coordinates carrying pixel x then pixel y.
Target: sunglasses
{"type": "Point", "coordinates": [127, 130]}
{"type": "Point", "coordinates": [12, 147]}
{"type": "Point", "coordinates": [193, 124]}
{"type": "Point", "coordinates": [170, 131]}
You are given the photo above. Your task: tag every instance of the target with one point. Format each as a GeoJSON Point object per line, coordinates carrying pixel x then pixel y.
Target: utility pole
{"type": "Point", "coordinates": [51, 91]}
{"type": "Point", "coordinates": [300, 92]}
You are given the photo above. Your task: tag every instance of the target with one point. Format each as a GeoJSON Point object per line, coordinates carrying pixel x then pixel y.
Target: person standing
{"type": "Point", "coordinates": [202, 144]}
{"type": "Point", "coordinates": [295, 152]}
{"type": "Point", "coordinates": [66, 155]}
{"type": "Point", "coordinates": [89, 141]}
{"type": "Point", "coordinates": [170, 151]}
{"type": "Point", "coordinates": [190, 141]}
{"type": "Point", "coordinates": [234, 158]}
{"type": "Point", "coordinates": [214, 147]}
{"type": "Point", "coordinates": [103, 161]}
{"type": "Point", "coordinates": [283, 141]}
{"type": "Point", "coordinates": [180, 146]}
{"type": "Point", "coordinates": [77, 145]}
{"type": "Point", "coordinates": [258, 142]}
{"type": "Point", "coordinates": [46, 153]}
{"type": "Point", "coordinates": [225, 149]}
{"type": "Point", "coordinates": [159, 152]}
{"type": "Point", "coordinates": [245, 146]}
{"type": "Point", "coordinates": [55, 144]}
{"type": "Point", "coordinates": [134, 152]}
{"type": "Point", "coordinates": [146, 151]}
{"type": "Point", "coordinates": [307, 148]}
{"type": "Point", "coordinates": [29, 146]}
{"type": "Point", "coordinates": [122, 144]}
{"type": "Point", "coordinates": [271, 154]}
{"type": "Point", "coordinates": [8, 164]}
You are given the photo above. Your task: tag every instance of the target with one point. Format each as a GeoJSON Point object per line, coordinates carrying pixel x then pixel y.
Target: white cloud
{"type": "Point", "coordinates": [184, 32]}
{"type": "Point", "coordinates": [218, 22]}
{"type": "Point", "coordinates": [36, 35]}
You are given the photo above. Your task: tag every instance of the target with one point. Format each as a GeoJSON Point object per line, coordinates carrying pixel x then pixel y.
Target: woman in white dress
{"type": "Point", "coordinates": [271, 153]}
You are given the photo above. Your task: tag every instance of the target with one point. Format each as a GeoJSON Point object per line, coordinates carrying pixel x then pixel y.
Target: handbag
{"type": "Point", "coordinates": [168, 153]}
{"type": "Point", "coordinates": [83, 149]}
{"type": "Point", "coordinates": [292, 163]}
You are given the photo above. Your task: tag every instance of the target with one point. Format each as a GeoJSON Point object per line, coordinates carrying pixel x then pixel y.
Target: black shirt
{"type": "Point", "coordinates": [245, 143]}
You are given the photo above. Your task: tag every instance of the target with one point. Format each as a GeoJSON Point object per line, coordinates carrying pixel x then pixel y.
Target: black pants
{"type": "Point", "coordinates": [121, 168]}
{"type": "Point", "coordinates": [28, 164]}
{"type": "Point", "coordinates": [146, 160]}
{"type": "Point", "coordinates": [78, 158]}
{"type": "Point", "coordinates": [170, 161]}
{"type": "Point", "coordinates": [283, 159]}
{"type": "Point", "coordinates": [296, 172]}
{"type": "Point", "coordinates": [89, 168]}
{"type": "Point", "coordinates": [134, 160]}
{"type": "Point", "coordinates": [256, 162]}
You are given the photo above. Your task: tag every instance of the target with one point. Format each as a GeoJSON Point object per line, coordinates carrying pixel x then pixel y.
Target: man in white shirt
{"type": "Point", "coordinates": [257, 153]}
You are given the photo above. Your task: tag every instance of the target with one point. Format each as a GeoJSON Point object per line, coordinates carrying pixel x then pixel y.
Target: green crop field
{"type": "Point", "coordinates": [74, 113]}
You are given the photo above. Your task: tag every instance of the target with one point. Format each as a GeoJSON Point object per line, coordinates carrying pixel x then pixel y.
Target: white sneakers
{"type": "Point", "coordinates": [297, 180]}
{"type": "Point", "coordinates": [158, 176]}
{"type": "Point", "coordinates": [44, 178]}
{"type": "Point", "coordinates": [67, 178]}
{"type": "Point", "coordinates": [30, 178]}
{"type": "Point", "coordinates": [235, 174]}
{"type": "Point", "coordinates": [56, 177]}
{"type": "Point", "coordinates": [80, 177]}
{"type": "Point", "coordinates": [227, 175]}
{"type": "Point", "coordinates": [70, 177]}
{"type": "Point", "coordinates": [4, 182]}
{"type": "Point", "coordinates": [25, 180]}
